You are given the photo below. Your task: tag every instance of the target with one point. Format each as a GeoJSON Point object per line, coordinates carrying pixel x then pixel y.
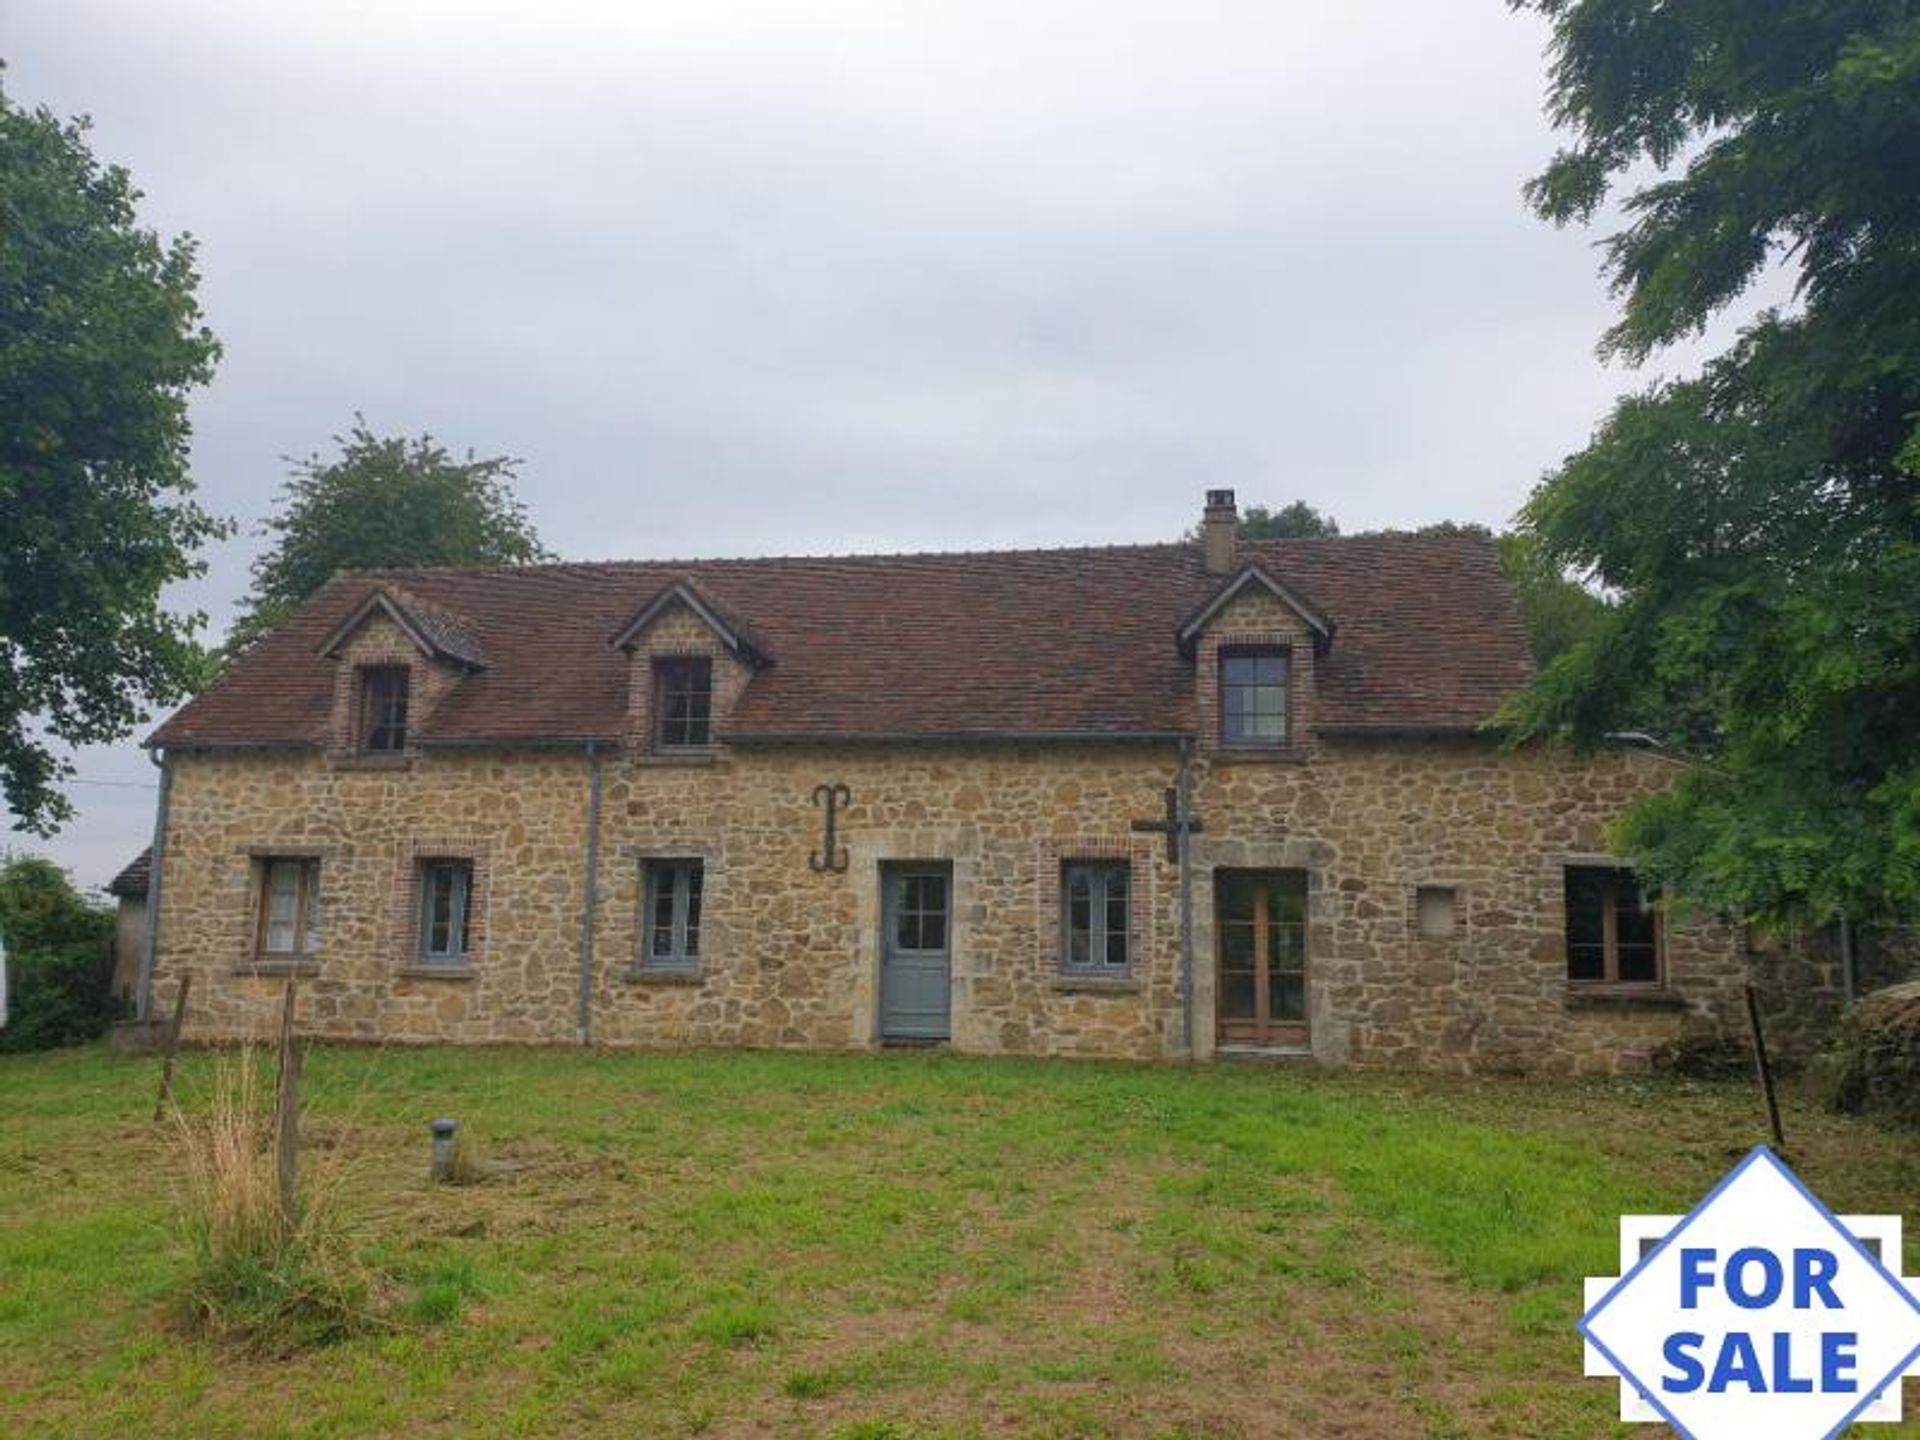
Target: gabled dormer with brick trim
{"type": "Point", "coordinates": [395, 658]}
{"type": "Point", "coordinates": [1256, 643]}
{"type": "Point", "coordinates": [689, 660]}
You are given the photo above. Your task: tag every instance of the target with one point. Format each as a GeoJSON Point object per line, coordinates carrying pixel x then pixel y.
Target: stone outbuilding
{"type": "Point", "coordinates": [1211, 798]}
{"type": "Point", "coordinates": [129, 892]}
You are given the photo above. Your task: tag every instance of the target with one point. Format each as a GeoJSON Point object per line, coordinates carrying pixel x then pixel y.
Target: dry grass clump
{"type": "Point", "coordinates": [269, 1281]}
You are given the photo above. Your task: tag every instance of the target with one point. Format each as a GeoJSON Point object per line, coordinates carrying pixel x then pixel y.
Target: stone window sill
{"type": "Point", "coordinates": [1259, 755]}
{"type": "Point", "coordinates": [703, 755]}
{"type": "Point", "coordinates": [1623, 997]}
{"type": "Point", "coordinates": [1072, 984]}
{"type": "Point", "coordinates": [640, 975]}
{"type": "Point", "coordinates": [421, 970]}
{"type": "Point", "coordinates": [364, 760]}
{"type": "Point", "coordinates": [293, 965]}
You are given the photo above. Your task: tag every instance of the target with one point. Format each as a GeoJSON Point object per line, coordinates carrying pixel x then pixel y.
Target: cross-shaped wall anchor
{"type": "Point", "coordinates": [1170, 826]}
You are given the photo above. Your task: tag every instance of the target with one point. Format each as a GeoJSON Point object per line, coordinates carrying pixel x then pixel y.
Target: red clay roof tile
{"type": "Point", "coordinates": [1017, 643]}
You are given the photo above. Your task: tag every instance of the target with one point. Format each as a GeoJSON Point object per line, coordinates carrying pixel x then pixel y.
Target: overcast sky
{"type": "Point", "coordinates": [808, 276]}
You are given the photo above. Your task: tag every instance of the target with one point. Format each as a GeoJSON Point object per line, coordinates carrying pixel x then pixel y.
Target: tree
{"type": "Point", "coordinates": [100, 343]}
{"type": "Point", "coordinates": [1558, 612]}
{"type": "Point", "coordinates": [58, 957]}
{"type": "Point", "coordinates": [1759, 523]}
{"type": "Point", "coordinates": [1298, 521]}
{"type": "Point", "coordinates": [383, 503]}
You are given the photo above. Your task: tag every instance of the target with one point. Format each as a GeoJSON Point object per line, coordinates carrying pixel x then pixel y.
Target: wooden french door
{"type": "Point", "coordinates": [1260, 924]}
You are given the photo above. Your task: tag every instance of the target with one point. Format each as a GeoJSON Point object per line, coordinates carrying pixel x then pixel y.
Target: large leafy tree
{"type": "Point", "coordinates": [58, 954]}
{"type": "Point", "coordinates": [1757, 523]}
{"type": "Point", "coordinates": [100, 342]}
{"type": "Point", "coordinates": [383, 502]}
{"type": "Point", "coordinates": [1298, 521]}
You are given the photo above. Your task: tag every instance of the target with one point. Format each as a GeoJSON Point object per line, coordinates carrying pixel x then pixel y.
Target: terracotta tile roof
{"type": "Point", "coordinates": [1029, 643]}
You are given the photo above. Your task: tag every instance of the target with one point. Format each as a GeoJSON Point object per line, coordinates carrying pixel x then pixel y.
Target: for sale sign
{"type": "Point", "coordinates": [1761, 1315]}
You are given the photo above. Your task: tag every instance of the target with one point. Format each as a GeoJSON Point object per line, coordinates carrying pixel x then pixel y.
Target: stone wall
{"type": "Point", "coordinates": [790, 955]}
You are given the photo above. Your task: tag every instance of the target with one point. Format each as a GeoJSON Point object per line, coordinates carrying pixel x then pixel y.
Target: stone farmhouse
{"type": "Point", "coordinates": [1211, 798]}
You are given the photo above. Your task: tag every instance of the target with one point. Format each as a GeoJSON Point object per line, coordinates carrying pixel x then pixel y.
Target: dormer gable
{"type": "Point", "coordinates": [1255, 643]}
{"type": "Point", "coordinates": [396, 657]}
{"type": "Point", "coordinates": [690, 659]}
{"type": "Point", "coordinates": [1249, 581]}
{"type": "Point", "coordinates": [725, 627]}
{"type": "Point", "coordinates": [437, 633]}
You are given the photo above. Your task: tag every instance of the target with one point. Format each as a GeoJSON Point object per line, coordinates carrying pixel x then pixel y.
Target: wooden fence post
{"type": "Point", "coordinates": [286, 1122]}
{"type": "Point", "coordinates": [173, 1046]}
{"type": "Point", "coordinates": [1766, 1070]}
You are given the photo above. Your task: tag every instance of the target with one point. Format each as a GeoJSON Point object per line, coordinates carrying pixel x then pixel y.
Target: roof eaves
{"type": "Point", "coordinates": [952, 737]}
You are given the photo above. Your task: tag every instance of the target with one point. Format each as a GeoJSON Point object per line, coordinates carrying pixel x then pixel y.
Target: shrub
{"type": "Point", "coordinates": [1872, 1064]}
{"type": "Point", "coordinates": [59, 958]}
{"type": "Point", "coordinates": [1708, 1055]}
{"type": "Point", "coordinates": [265, 1281]}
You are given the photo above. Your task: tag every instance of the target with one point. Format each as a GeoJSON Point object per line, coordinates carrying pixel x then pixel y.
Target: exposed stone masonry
{"type": "Point", "coordinates": [790, 957]}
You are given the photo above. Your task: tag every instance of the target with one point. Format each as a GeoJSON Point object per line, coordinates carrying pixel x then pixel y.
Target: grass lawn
{"type": "Point", "coordinates": [901, 1245]}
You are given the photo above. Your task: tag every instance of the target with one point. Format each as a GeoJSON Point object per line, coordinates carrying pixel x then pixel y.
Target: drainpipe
{"type": "Point", "coordinates": [583, 1022]}
{"type": "Point", "coordinates": [156, 868]}
{"type": "Point", "coordinates": [1183, 815]}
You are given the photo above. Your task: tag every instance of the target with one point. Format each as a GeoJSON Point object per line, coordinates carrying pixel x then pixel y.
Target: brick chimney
{"type": "Point", "coordinates": [1219, 525]}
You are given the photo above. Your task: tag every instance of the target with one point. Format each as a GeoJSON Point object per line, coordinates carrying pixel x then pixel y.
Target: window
{"type": "Point", "coordinates": [383, 708]}
{"type": "Point", "coordinates": [1093, 917]}
{"type": "Point", "coordinates": [289, 908]}
{"type": "Point", "coordinates": [670, 929]}
{"type": "Point", "coordinates": [446, 910]}
{"type": "Point", "coordinates": [1613, 931]}
{"type": "Point", "coordinates": [683, 696]}
{"type": "Point", "coordinates": [1253, 697]}
{"type": "Point", "coordinates": [1434, 907]}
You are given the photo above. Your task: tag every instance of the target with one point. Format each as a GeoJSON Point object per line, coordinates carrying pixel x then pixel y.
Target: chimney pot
{"type": "Point", "coordinates": [1219, 528]}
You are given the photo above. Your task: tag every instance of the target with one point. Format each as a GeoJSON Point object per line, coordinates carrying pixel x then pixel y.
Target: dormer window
{"type": "Point", "coordinates": [683, 701]}
{"type": "Point", "coordinates": [383, 709]}
{"type": "Point", "coordinates": [1253, 697]}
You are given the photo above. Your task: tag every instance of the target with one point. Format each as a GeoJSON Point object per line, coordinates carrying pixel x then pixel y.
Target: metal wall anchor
{"type": "Point", "coordinates": [830, 857]}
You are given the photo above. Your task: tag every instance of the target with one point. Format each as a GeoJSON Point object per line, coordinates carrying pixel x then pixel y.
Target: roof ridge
{"type": "Point", "coordinates": [862, 557]}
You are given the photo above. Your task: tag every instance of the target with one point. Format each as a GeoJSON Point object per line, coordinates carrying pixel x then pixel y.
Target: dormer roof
{"type": "Point", "coordinates": [439, 633]}
{"type": "Point", "coordinates": [1254, 577]}
{"type": "Point", "coordinates": [726, 626]}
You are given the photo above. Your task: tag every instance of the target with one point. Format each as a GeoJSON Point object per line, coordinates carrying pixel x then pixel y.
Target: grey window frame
{"type": "Point", "coordinates": [1099, 873]}
{"type": "Point", "coordinates": [666, 669]}
{"type": "Point", "coordinates": [459, 910]}
{"type": "Point", "coordinates": [393, 724]}
{"type": "Point", "coordinates": [687, 912]}
{"type": "Point", "coordinates": [1227, 656]}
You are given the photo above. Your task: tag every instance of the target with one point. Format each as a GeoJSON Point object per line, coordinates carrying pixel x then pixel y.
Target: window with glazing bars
{"type": "Point", "coordinates": [289, 908]}
{"type": "Point", "coordinates": [1613, 930]}
{"type": "Point", "coordinates": [1253, 697]}
{"type": "Point", "coordinates": [683, 701]}
{"type": "Point", "coordinates": [1093, 916]}
{"type": "Point", "coordinates": [670, 932]}
{"type": "Point", "coordinates": [446, 910]}
{"type": "Point", "coordinates": [383, 708]}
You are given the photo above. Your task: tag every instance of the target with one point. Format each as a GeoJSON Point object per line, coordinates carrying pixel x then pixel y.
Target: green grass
{"type": "Point", "coordinates": [910, 1245]}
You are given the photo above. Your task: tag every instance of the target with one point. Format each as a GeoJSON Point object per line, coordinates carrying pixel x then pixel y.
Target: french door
{"type": "Point", "coordinates": [1260, 925]}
